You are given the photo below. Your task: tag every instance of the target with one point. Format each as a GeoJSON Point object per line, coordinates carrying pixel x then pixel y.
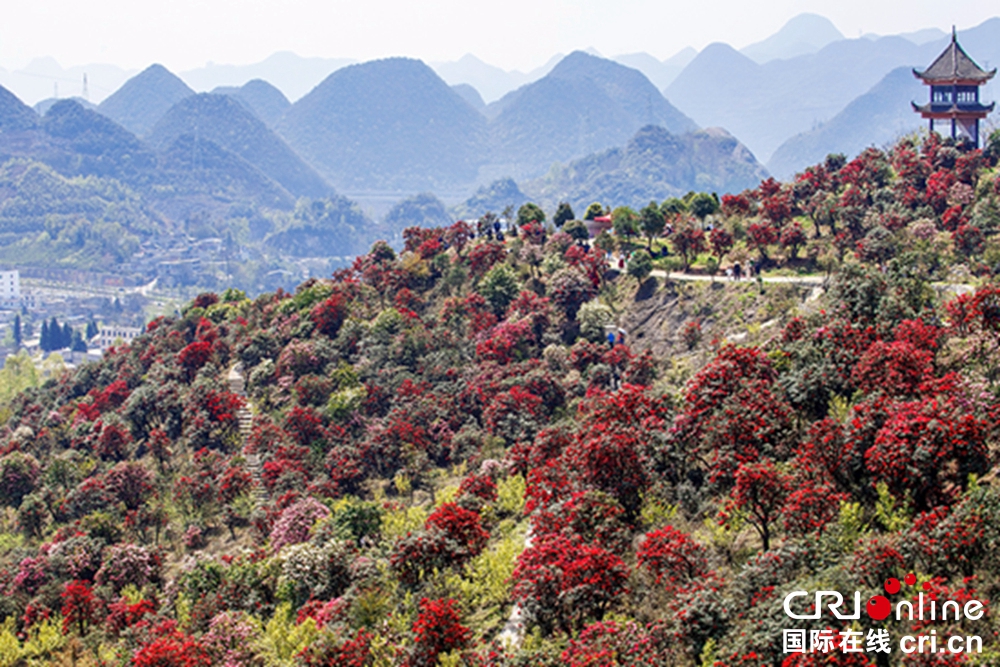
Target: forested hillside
{"type": "Point", "coordinates": [654, 164]}
{"type": "Point", "coordinates": [79, 191]}
{"type": "Point", "coordinates": [383, 467]}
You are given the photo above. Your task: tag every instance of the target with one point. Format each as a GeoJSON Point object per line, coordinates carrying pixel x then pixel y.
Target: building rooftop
{"type": "Point", "coordinates": [954, 66]}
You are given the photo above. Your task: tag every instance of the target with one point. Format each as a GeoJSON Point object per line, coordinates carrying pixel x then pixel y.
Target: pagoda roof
{"type": "Point", "coordinates": [954, 65]}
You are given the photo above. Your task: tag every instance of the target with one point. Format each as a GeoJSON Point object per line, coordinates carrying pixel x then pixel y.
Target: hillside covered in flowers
{"type": "Point", "coordinates": [436, 457]}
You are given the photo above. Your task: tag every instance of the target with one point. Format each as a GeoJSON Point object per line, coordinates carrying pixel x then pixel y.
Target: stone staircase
{"type": "Point", "coordinates": [237, 385]}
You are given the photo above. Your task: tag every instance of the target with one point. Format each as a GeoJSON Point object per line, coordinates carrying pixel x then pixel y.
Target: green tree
{"type": "Point", "coordinates": [564, 213]}
{"type": "Point", "coordinates": [79, 345]}
{"type": "Point", "coordinates": [593, 211]}
{"type": "Point", "coordinates": [703, 205]}
{"type": "Point", "coordinates": [18, 373]}
{"type": "Point", "coordinates": [577, 229]}
{"type": "Point", "coordinates": [55, 334]}
{"type": "Point", "coordinates": [17, 331]}
{"type": "Point", "coordinates": [530, 213]}
{"type": "Point", "coordinates": [605, 242]}
{"type": "Point", "coordinates": [44, 341]}
{"type": "Point", "coordinates": [499, 287]}
{"type": "Point", "coordinates": [625, 222]}
{"type": "Point", "coordinates": [91, 329]}
{"type": "Point", "coordinates": [640, 265]}
{"type": "Point", "coordinates": [673, 206]}
{"type": "Point", "coordinates": [652, 222]}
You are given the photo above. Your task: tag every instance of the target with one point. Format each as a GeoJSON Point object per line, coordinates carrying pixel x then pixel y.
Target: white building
{"type": "Point", "coordinates": [10, 285]}
{"type": "Point", "coordinates": [116, 335]}
{"type": "Point", "coordinates": [10, 291]}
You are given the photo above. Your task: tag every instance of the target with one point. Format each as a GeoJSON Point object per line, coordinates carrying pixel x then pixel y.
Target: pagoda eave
{"type": "Point", "coordinates": [955, 82]}
{"type": "Point", "coordinates": [927, 111]}
{"type": "Point", "coordinates": [956, 116]}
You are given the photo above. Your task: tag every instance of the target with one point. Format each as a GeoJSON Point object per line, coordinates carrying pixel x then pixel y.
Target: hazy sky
{"type": "Point", "coordinates": [513, 34]}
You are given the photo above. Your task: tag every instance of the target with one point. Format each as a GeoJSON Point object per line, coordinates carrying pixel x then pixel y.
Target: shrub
{"type": "Point", "coordinates": [640, 265]}
{"type": "Point", "coordinates": [18, 476]}
{"type": "Point", "coordinates": [295, 521]}
{"type": "Point", "coordinates": [460, 526]}
{"type": "Point", "coordinates": [128, 564]}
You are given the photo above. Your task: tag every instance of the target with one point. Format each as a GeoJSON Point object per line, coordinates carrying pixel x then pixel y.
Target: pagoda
{"type": "Point", "coordinates": [954, 79]}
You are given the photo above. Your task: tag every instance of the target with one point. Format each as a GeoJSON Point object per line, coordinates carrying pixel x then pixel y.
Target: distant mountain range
{"type": "Point", "coordinates": [501, 194]}
{"type": "Point", "coordinates": [79, 142]}
{"type": "Point", "coordinates": [15, 115]}
{"type": "Point", "coordinates": [490, 81]}
{"type": "Point", "coordinates": [584, 104]}
{"type": "Point", "coordinates": [765, 94]}
{"type": "Point", "coordinates": [45, 78]}
{"type": "Point", "coordinates": [655, 164]}
{"type": "Point", "coordinates": [224, 121]}
{"type": "Point", "coordinates": [144, 98]}
{"type": "Point", "coordinates": [261, 98]}
{"type": "Point", "coordinates": [764, 105]}
{"type": "Point", "coordinates": [877, 117]}
{"type": "Point", "coordinates": [804, 34]}
{"type": "Point", "coordinates": [387, 125]}
{"type": "Point", "coordinates": [388, 129]}
{"type": "Point", "coordinates": [294, 75]}
{"type": "Point", "coordinates": [209, 168]}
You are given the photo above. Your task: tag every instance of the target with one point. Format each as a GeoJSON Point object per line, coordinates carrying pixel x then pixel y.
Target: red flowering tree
{"type": "Point", "coordinates": [735, 205]}
{"type": "Point", "coordinates": [607, 459]}
{"type": "Point", "coordinates": [570, 288]}
{"type": "Point", "coordinates": [894, 368]}
{"type": "Point", "coordinates": [461, 526]}
{"type": "Point", "coordinates": [130, 484]}
{"type": "Point", "coordinates": [688, 241]}
{"type": "Point", "coordinates": [613, 643]}
{"type": "Point", "coordinates": [672, 557]}
{"type": "Point", "coordinates": [810, 508]}
{"type": "Point", "coordinates": [194, 356]}
{"type": "Point", "coordinates": [591, 516]}
{"type": "Point", "coordinates": [792, 238]}
{"type": "Point", "coordinates": [172, 650]}
{"type": "Point", "coordinates": [732, 413]}
{"type": "Point", "coordinates": [328, 315]}
{"type": "Point", "coordinates": [969, 240]}
{"type": "Point", "coordinates": [79, 607]}
{"type": "Point", "coordinates": [562, 582]}
{"type": "Point", "coordinates": [483, 256]}
{"type": "Point", "coordinates": [928, 449]}
{"type": "Point", "coordinates": [437, 630]}
{"type": "Point", "coordinates": [722, 241]}
{"type": "Point", "coordinates": [451, 536]}
{"type": "Point", "coordinates": [760, 236]}
{"type": "Point", "coordinates": [759, 494]}
{"type": "Point", "coordinates": [458, 235]}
